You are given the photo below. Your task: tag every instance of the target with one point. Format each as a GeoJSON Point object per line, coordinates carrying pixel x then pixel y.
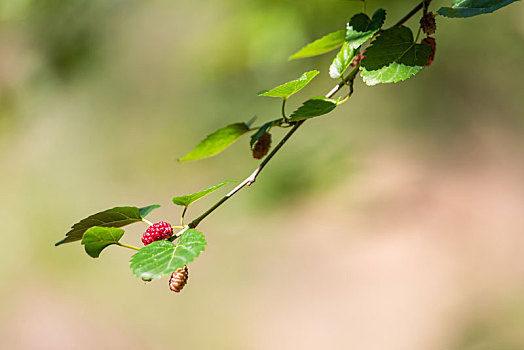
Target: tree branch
{"type": "Point", "coordinates": [251, 178]}
{"type": "Point", "coordinates": [423, 4]}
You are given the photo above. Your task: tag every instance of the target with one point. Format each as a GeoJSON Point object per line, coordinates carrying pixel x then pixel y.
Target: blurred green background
{"type": "Point", "coordinates": [393, 223]}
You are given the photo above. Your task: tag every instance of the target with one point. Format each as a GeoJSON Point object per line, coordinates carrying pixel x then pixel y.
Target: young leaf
{"type": "Point", "coordinates": [262, 130]}
{"type": "Point", "coordinates": [97, 238]}
{"type": "Point", "coordinates": [320, 46]}
{"type": "Point", "coordinates": [342, 61]}
{"type": "Point", "coordinates": [163, 257]}
{"type": "Point", "coordinates": [395, 45]}
{"type": "Point", "coordinates": [216, 142]}
{"type": "Point", "coordinates": [115, 217]}
{"type": "Point", "coordinates": [146, 210]}
{"type": "Point", "coordinates": [470, 8]}
{"type": "Point", "coordinates": [392, 73]}
{"type": "Point", "coordinates": [289, 88]}
{"type": "Point", "coordinates": [186, 200]}
{"type": "Point", "coordinates": [361, 28]}
{"type": "Point", "coordinates": [393, 56]}
{"type": "Point", "coordinates": [313, 107]}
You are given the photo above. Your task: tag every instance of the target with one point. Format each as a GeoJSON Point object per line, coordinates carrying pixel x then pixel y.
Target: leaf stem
{"type": "Point", "coordinates": [364, 6]}
{"type": "Point", "coordinates": [147, 222]}
{"type": "Point", "coordinates": [284, 109]}
{"type": "Point", "coordinates": [127, 246]}
{"type": "Point", "coordinates": [418, 34]}
{"type": "Point", "coordinates": [182, 217]}
{"type": "Point", "coordinates": [179, 233]}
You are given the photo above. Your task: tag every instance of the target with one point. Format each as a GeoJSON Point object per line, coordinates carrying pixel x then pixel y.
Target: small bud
{"type": "Point", "coordinates": [356, 60]}
{"type": "Point", "coordinates": [261, 147]}
{"type": "Point", "coordinates": [433, 45]}
{"type": "Point", "coordinates": [428, 24]}
{"type": "Point", "coordinates": [179, 279]}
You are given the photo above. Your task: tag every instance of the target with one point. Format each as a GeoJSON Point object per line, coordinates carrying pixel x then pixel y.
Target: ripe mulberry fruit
{"type": "Point", "coordinates": [179, 279]}
{"type": "Point", "coordinates": [156, 232]}
{"type": "Point", "coordinates": [428, 24]}
{"type": "Point", "coordinates": [433, 45]}
{"type": "Point", "coordinates": [262, 146]}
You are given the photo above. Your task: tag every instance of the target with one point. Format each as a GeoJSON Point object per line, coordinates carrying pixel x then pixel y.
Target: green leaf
{"type": "Point", "coordinates": [393, 73]}
{"type": "Point", "coordinates": [97, 238]}
{"type": "Point", "coordinates": [361, 28]}
{"type": "Point", "coordinates": [216, 142]}
{"type": "Point", "coordinates": [115, 217]}
{"type": "Point", "coordinates": [146, 210]}
{"type": "Point", "coordinates": [289, 88]}
{"type": "Point", "coordinates": [313, 107]}
{"type": "Point", "coordinates": [186, 200]}
{"type": "Point", "coordinates": [395, 45]}
{"type": "Point", "coordinates": [163, 257]}
{"type": "Point", "coordinates": [342, 61]}
{"type": "Point", "coordinates": [262, 130]}
{"type": "Point", "coordinates": [470, 8]}
{"type": "Point", "coordinates": [320, 46]}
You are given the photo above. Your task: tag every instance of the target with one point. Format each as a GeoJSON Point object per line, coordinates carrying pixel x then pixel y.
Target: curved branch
{"type": "Point", "coordinates": [253, 176]}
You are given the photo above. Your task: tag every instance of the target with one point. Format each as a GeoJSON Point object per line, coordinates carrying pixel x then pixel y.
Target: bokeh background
{"type": "Point", "coordinates": [396, 222]}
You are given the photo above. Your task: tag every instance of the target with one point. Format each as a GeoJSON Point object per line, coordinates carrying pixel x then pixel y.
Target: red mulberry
{"type": "Point", "coordinates": [433, 45]}
{"type": "Point", "coordinates": [156, 232]}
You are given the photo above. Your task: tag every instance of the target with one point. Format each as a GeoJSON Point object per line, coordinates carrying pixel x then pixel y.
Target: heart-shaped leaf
{"type": "Point", "coordinates": [163, 257]}
{"type": "Point", "coordinates": [98, 238]}
{"type": "Point", "coordinates": [361, 28]}
{"type": "Point", "coordinates": [395, 45]}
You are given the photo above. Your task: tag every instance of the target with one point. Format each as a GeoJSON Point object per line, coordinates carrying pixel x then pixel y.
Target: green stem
{"type": "Point", "coordinates": [127, 246]}
{"type": "Point", "coordinates": [418, 34]}
{"type": "Point", "coordinates": [364, 6]}
{"type": "Point", "coordinates": [425, 5]}
{"type": "Point", "coordinates": [182, 218]}
{"type": "Point", "coordinates": [147, 222]}
{"type": "Point", "coordinates": [179, 233]}
{"type": "Point", "coordinates": [284, 108]}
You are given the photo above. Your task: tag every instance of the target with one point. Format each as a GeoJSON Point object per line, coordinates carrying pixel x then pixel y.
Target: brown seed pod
{"type": "Point", "coordinates": [428, 24]}
{"type": "Point", "coordinates": [261, 147]}
{"type": "Point", "coordinates": [431, 42]}
{"type": "Point", "coordinates": [179, 279]}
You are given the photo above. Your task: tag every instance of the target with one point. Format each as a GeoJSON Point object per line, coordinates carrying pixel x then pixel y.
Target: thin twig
{"type": "Point", "coordinates": [411, 13]}
{"type": "Point", "coordinates": [251, 178]}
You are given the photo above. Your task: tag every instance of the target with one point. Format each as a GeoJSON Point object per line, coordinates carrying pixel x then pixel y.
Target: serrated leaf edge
{"type": "Point", "coordinates": [413, 70]}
